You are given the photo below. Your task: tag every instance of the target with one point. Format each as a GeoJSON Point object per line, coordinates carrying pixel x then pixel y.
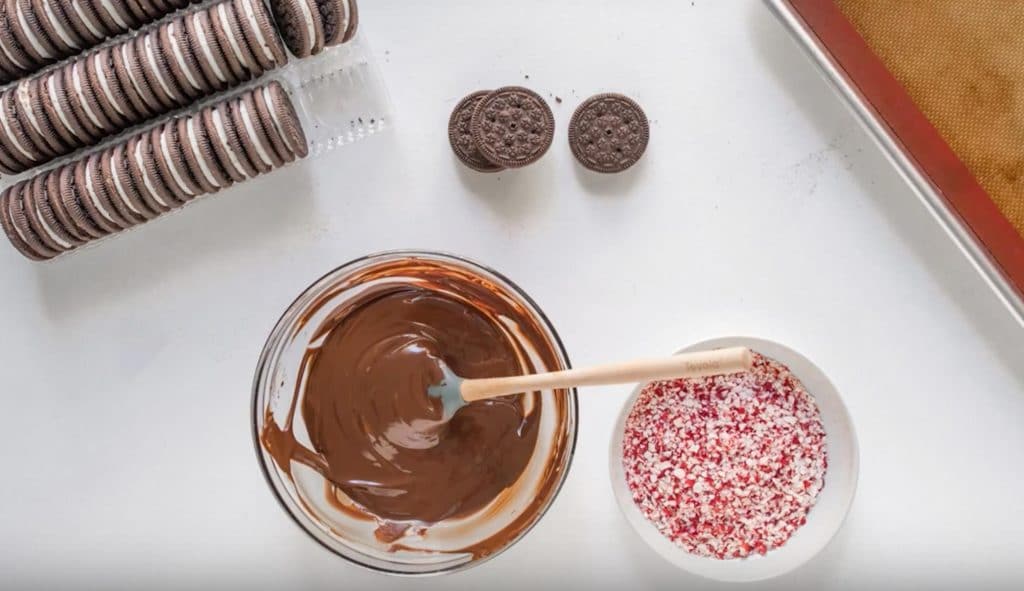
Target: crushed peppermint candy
{"type": "Point", "coordinates": [726, 466]}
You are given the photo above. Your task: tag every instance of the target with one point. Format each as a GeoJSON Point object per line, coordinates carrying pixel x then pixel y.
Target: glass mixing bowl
{"type": "Point", "coordinates": [453, 544]}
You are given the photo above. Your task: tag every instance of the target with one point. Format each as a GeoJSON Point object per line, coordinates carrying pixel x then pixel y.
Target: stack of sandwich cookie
{"type": "Point", "coordinates": [511, 127]}
{"type": "Point", "coordinates": [34, 33]}
{"type": "Point", "coordinates": [308, 26]}
{"type": "Point", "coordinates": [152, 172]}
{"type": "Point", "coordinates": [111, 89]}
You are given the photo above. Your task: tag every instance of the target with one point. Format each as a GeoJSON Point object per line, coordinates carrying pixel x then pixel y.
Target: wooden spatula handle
{"type": "Point", "coordinates": [684, 365]}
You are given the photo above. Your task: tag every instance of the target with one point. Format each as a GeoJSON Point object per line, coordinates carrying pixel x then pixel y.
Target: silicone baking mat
{"type": "Point", "coordinates": [944, 79]}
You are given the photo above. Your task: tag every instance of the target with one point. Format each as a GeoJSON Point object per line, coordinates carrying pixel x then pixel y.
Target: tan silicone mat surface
{"type": "Point", "coordinates": [962, 62]}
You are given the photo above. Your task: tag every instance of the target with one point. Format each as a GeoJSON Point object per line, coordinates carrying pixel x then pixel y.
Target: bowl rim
{"type": "Point", "coordinates": [275, 335]}
{"type": "Point", "coordinates": [638, 521]}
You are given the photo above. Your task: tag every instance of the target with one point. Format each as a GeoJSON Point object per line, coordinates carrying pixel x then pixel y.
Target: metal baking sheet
{"type": "Point", "coordinates": [969, 242]}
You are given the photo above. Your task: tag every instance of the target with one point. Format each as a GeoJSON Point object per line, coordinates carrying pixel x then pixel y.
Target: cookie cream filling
{"type": "Point", "coordinates": [218, 125]}
{"type": "Point", "coordinates": [26, 104]}
{"type": "Point", "coordinates": [76, 79]}
{"type": "Point", "coordinates": [10, 213]}
{"type": "Point", "coordinates": [60, 112]}
{"type": "Point", "coordinates": [194, 145]}
{"type": "Point", "coordinates": [84, 18]}
{"type": "Point", "coordinates": [46, 227]}
{"type": "Point", "coordinates": [91, 192]}
{"type": "Point", "coordinates": [14, 138]}
{"type": "Point", "coordinates": [250, 14]}
{"type": "Point", "coordinates": [30, 33]}
{"type": "Point", "coordinates": [120, 188]}
{"type": "Point", "coordinates": [260, 148]}
{"type": "Point", "coordinates": [307, 11]}
{"type": "Point", "coordinates": [180, 57]}
{"type": "Point", "coordinates": [147, 42]}
{"type": "Point", "coordinates": [65, 37]}
{"type": "Point", "coordinates": [109, 9]}
{"type": "Point", "coordinates": [232, 40]}
{"type": "Point", "coordinates": [145, 176]}
{"type": "Point", "coordinates": [131, 75]}
{"type": "Point", "coordinates": [204, 45]}
{"type": "Point", "coordinates": [276, 119]}
{"type": "Point", "coordinates": [105, 84]}
{"type": "Point", "coordinates": [172, 166]}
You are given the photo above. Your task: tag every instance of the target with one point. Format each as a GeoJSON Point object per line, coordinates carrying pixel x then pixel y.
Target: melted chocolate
{"type": "Point", "coordinates": [377, 437]}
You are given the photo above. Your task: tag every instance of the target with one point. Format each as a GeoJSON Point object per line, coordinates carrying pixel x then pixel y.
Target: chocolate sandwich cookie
{"type": "Point", "coordinates": [58, 111]}
{"type": "Point", "coordinates": [54, 238]}
{"type": "Point", "coordinates": [158, 8]}
{"type": "Point", "coordinates": [12, 218]}
{"type": "Point", "coordinates": [460, 134]}
{"type": "Point", "coordinates": [184, 67]}
{"type": "Point", "coordinates": [60, 212]}
{"type": "Point", "coordinates": [99, 66]}
{"type": "Point", "coordinates": [146, 9]}
{"type": "Point", "coordinates": [143, 172]}
{"type": "Point", "coordinates": [10, 47]}
{"type": "Point", "coordinates": [123, 56]}
{"type": "Point", "coordinates": [353, 21]}
{"type": "Point", "coordinates": [206, 49]}
{"type": "Point", "coordinates": [117, 183]}
{"type": "Point", "coordinates": [198, 154]}
{"type": "Point", "coordinates": [260, 34]}
{"type": "Point", "coordinates": [13, 136]}
{"type": "Point", "coordinates": [8, 164]}
{"type": "Point", "coordinates": [513, 126]}
{"type": "Point", "coordinates": [154, 70]}
{"type": "Point", "coordinates": [83, 101]}
{"type": "Point", "coordinates": [20, 194]}
{"type": "Point", "coordinates": [159, 54]}
{"type": "Point", "coordinates": [8, 71]}
{"type": "Point", "coordinates": [37, 99]}
{"type": "Point", "coordinates": [71, 202]}
{"type": "Point", "coordinates": [29, 33]}
{"type": "Point", "coordinates": [229, 36]}
{"type": "Point", "coordinates": [93, 198]}
{"type": "Point", "coordinates": [83, 19]}
{"type": "Point", "coordinates": [253, 136]}
{"type": "Point", "coordinates": [90, 97]}
{"type": "Point", "coordinates": [335, 15]}
{"type": "Point", "coordinates": [33, 122]}
{"type": "Point", "coordinates": [119, 196]}
{"type": "Point", "coordinates": [135, 59]}
{"type": "Point", "coordinates": [161, 164]}
{"type": "Point", "coordinates": [260, 97]}
{"type": "Point", "coordinates": [300, 25]}
{"type": "Point", "coordinates": [57, 28]}
{"type": "Point", "coordinates": [171, 164]}
{"type": "Point", "coordinates": [238, 139]}
{"type": "Point", "coordinates": [608, 133]}
{"type": "Point", "coordinates": [226, 144]}
{"type": "Point", "coordinates": [286, 120]}
{"type": "Point", "coordinates": [48, 207]}
{"type": "Point", "coordinates": [113, 15]}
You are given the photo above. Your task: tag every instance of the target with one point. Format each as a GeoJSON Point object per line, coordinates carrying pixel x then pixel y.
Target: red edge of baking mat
{"type": "Point", "coordinates": [933, 156]}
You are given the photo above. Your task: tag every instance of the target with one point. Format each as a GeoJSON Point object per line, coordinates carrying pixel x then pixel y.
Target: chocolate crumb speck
{"type": "Point", "coordinates": [558, 99]}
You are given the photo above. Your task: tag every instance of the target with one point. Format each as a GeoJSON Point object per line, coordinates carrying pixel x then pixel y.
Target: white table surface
{"type": "Point", "coordinates": [761, 208]}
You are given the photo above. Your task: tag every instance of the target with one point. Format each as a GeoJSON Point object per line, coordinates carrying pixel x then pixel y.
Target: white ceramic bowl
{"type": "Point", "coordinates": [824, 519]}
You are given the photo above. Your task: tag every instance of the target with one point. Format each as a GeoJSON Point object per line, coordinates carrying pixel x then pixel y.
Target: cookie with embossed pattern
{"type": "Point", "coordinates": [460, 134]}
{"type": "Point", "coordinates": [513, 126]}
{"type": "Point", "coordinates": [609, 133]}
